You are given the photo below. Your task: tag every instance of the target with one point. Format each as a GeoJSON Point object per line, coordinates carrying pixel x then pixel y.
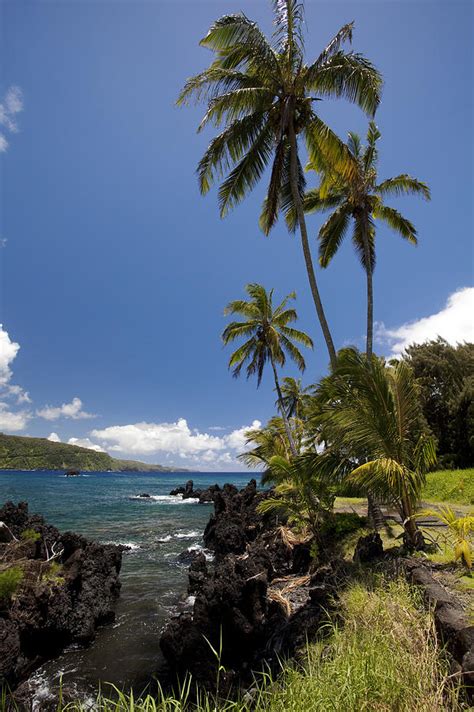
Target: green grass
{"type": "Point", "coordinates": [456, 486]}
{"type": "Point", "coordinates": [382, 657]}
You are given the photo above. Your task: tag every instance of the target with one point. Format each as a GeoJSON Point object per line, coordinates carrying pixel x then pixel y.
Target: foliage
{"type": "Point", "coordinates": [358, 198]}
{"type": "Point", "coordinates": [343, 523]}
{"type": "Point", "coordinates": [10, 579]}
{"type": "Point", "coordinates": [29, 535]}
{"type": "Point", "coordinates": [298, 494]}
{"type": "Point", "coordinates": [295, 397]}
{"type": "Point", "coordinates": [271, 339]}
{"type": "Point", "coordinates": [455, 486]}
{"type": "Point", "coordinates": [461, 530]}
{"type": "Point", "coordinates": [262, 95]}
{"type": "Point", "coordinates": [53, 574]}
{"type": "Point", "coordinates": [384, 656]}
{"type": "Point", "coordinates": [370, 412]}
{"type": "Point", "coordinates": [256, 89]}
{"type": "Point", "coordinates": [23, 453]}
{"type": "Point", "coordinates": [446, 377]}
{"type": "Point", "coordinates": [267, 442]}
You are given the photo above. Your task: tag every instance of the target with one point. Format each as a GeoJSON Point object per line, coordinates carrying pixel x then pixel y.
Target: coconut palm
{"type": "Point", "coordinates": [298, 494]}
{"type": "Point", "coordinates": [263, 93]}
{"type": "Point", "coordinates": [371, 414]}
{"type": "Point", "coordinates": [270, 340]}
{"type": "Point", "coordinates": [294, 396]}
{"type": "Point", "coordinates": [265, 443]}
{"type": "Point", "coordinates": [359, 198]}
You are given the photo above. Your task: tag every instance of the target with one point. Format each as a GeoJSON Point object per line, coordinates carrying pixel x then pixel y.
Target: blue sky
{"type": "Point", "coordinates": [115, 271]}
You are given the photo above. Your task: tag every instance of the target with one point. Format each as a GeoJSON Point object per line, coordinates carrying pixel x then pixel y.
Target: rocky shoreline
{"type": "Point", "coordinates": [257, 601]}
{"type": "Point", "coordinates": [66, 587]}
{"type": "Point", "coordinates": [262, 595]}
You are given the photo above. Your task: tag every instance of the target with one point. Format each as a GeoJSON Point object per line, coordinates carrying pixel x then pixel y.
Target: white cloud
{"type": "Point", "coordinates": [148, 438]}
{"type": "Point", "coordinates": [71, 410]}
{"type": "Point", "coordinates": [8, 352]}
{"type": "Point", "coordinates": [12, 422]}
{"type": "Point", "coordinates": [455, 323]}
{"type": "Point", "coordinates": [237, 440]}
{"type": "Point", "coordinates": [21, 395]}
{"type": "Point", "coordinates": [175, 439]}
{"type": "Point", "coordinates": [80, 442]}
{"type": "Point", "coordinates": [85, 442]}
{"type": "Point", "coordinates": [10, 106]}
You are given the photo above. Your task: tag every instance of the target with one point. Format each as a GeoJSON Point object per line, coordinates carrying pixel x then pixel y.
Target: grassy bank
{"type": "Point", "coordinates": [456, 486]}
{"type": "Point", "coordinates": [382, 656]}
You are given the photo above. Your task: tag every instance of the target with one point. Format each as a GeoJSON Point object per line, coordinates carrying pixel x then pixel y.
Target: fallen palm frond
{"type": "Point", "coordinates": [277, 596]}
{"type": "Point", "coordinates": [291, 538]}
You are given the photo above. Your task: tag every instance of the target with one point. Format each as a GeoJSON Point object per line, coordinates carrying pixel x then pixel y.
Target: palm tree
{"type": "Point", "coordinates": [264, 95]}
{"type": "Point", "coordinates": [265, 443]}
{"type": "Point", "coordinates": [294, 396]}
{"type": "Point", "coordinates": [371, 414]}
{"type": "Point", "coordinates": [271, 339]}
{"type": "Point", "coordinates": [359, 198]}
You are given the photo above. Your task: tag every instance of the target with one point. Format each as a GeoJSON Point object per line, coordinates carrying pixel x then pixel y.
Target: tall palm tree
{"type": "Point", "coordinates": [358, 197]}
{"type": "Point", "coordinates": [371, 414]}
{"type": "Point", "coordinates": [270, 339]}
{"type": "Point", "coordinates": [263, 93]}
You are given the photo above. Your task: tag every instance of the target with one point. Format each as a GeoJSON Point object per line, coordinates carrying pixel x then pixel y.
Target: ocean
{"type": "Point", "coordinates": [104, 506]}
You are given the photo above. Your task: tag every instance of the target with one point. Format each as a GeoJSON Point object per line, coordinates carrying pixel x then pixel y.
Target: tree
{"type": "Point", "coordinates": [264, 95]}
{"type": "Point", "coordinates": [267, 442]}
{"type": "Point", "coordinates": [270, 339]}
{"type": "Point", "coordinates": [294, 396]}
{"type": "Point", "coordinates": [445, 375]}
{"type": "Point", "coordinates": [370, 412]}
{"type": "Point", "coordinates": [358, 197]}
{"type": "Point", "coordinates": [298, 494]}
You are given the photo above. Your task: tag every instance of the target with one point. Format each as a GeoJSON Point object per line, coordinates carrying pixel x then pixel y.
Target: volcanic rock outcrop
{"type": "Point", "coordinates": [64, 586]}
{"type": "Point", "coordinates": [254, 602]}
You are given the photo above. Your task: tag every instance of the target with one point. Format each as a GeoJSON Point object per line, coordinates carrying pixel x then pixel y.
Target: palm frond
{"type": "Point", "coordinates": [326, 148]}
{"type": "Point", "coordinates": [370, 153]}
{"type": "Point", "coordinates": [332, 233]}
{"type": "Point", "coordinates": [397, 222]}
{"type": "Point", "coordinates": [403, 185]}
{"type": "Point", "coordinates": [229, 147]}
{"type": "Point", "coordinates": [364, 229]}
{"type": "Point", "coordinates": [237, 30]}
{"type": "Point", "coordinates": [343, 35]}
{"type": "Point", "coordinates": [243, 178]}
{"type": "Point", "coordinates": [349, 76]}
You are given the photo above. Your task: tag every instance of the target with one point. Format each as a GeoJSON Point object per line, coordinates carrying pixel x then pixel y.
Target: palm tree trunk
{"type": "Point", "coordinates": [374, 512]}
{"type": "Point", "coordinates": [305, 244]}
{"type": "Point", "coordinates": [413, 536]}
{"type": "Point", "coordinates": [294, 452]}
{"type": "Point", "coordinates": [370, 292]}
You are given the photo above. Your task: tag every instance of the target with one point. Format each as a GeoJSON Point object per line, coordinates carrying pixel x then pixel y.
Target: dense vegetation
{"type": "Point", "coordinates": [21, 453]}
{"type": "Point", "coordinates": [446, 378]}
{"type": "Point", "coordinates": [456, 486]}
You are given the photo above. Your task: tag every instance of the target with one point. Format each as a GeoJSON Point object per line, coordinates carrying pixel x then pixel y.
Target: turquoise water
{"type": "Point", "coordinates": [101, 505]}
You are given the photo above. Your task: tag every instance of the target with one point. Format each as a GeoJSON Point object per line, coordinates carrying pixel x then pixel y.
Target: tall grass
{"type": "Point", "coordinates": [381, 657]}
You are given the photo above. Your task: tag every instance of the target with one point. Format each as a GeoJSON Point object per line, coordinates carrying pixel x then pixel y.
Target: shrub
{"type": "Point", "coordinates": [53, 574]}
{"type": "Point", "coordinates": [10, 579]}
{"type": "Point", "coordinates": [30, 535]}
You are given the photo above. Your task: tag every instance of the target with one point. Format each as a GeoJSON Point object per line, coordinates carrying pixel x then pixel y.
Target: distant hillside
{"type": "Point", "coordinates": [21, 453]}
